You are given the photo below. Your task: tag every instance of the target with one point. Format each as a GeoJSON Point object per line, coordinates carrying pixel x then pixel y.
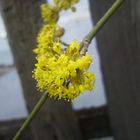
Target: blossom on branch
{"type": "Point", "coordinates": [63, 74]}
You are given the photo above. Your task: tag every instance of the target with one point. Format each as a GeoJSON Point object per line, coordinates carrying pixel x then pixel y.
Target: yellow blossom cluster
{"type": "Point", "coordinates": [50, 13]}
{"type": "Point", "coordinates": [63, 74]}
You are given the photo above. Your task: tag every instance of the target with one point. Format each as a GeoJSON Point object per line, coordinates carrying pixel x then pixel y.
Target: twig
{"type": "Point", "coordinates": [31, 116]}
{"type": "Point", "coordinates": [89, 37]}
{"type": "Point", "coordinates": [64, 43]}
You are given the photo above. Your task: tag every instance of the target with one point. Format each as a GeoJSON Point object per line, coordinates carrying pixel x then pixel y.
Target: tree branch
{"type": "Point", "coordinates": [89, 37]}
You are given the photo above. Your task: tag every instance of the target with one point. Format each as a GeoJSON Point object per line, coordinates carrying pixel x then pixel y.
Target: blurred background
{"type": "Point", "coordinates": [110, 112]}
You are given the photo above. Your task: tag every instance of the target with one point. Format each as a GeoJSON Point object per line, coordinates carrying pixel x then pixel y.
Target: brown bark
{"type": "Point", "coordinates": [56, 120]}
{"type": "Point", "coordinates": [119, 47]}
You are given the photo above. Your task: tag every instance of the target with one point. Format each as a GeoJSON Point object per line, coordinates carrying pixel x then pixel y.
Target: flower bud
{"type": "Point", "coordinates": [59, 31]}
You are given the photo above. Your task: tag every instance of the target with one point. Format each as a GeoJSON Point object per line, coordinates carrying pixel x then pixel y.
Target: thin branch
{"type": "Point", "coordinates": [64, 43]}
{"type": "Point", "coordinates": [89, 37]}
{"type": "Point", "coordinates": [31, 116]}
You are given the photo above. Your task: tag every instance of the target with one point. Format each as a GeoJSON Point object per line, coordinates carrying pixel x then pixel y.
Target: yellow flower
{"type": "Point", "coordinates": [49, 13]}
{"type": "Point", "coordinates": [64, 75]}
{"type": "Point", "coordinates": [66, 4]}
{"type": "Point", "coordinates": [73, 49]}
{"type": "Point", "coordinates": [85, 62]}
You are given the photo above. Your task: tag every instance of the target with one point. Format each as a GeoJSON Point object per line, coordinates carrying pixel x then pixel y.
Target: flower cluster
{"type": "Point", "coordinates": [50, 13]}
{"type": "Point", "coordinates": [63, 74]}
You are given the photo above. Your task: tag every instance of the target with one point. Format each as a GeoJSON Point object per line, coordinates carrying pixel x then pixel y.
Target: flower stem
{"type": "Point", "coordinates": [64, 43]}
{"type": "Point", "coordinates": [87, 40]}
{"type": "Point", "coordinates": [31, 116]}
